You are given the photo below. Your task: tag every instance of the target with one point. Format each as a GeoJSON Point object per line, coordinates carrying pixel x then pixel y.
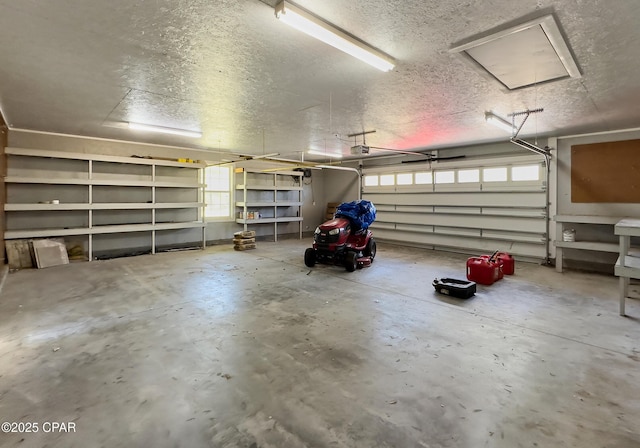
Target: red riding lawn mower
{"type": "Point", "coordinates": [345, 239]}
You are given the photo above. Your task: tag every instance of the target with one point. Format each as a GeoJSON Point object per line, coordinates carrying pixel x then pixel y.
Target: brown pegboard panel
{"type": "Point", "coordinates": [606, 172]}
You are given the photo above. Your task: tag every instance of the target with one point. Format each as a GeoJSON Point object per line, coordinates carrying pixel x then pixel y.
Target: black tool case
{"type": "Point", "coordinates": [462, 289]}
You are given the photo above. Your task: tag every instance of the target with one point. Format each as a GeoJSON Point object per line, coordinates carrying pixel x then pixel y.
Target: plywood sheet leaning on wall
{"type": "Point", "coordinates": [606, 172]}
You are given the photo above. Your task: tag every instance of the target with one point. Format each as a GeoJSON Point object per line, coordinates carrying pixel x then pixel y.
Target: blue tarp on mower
{"type": "Point", "coordinates": [361, 213]}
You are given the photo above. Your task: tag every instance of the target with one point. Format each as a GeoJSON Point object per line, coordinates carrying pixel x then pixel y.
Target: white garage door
{"type": "Point", "coordinates": [469, 206]}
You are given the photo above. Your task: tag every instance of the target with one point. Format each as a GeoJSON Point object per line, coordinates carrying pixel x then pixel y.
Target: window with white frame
{"type": "Point", "coordinates": [445, 177]}
{"type": "Point", "coordinates": [525, 172]}
{"type": "Point", "coordinates": [424, 177]}
{"type": "Point", "coordinates": [217, 192]}
{"type": "Point", "coordinates": [371, 181]}
{"type": "Point", "coordinates": [468, 176]}
{"type": "Point", "coordinates": [498, 174]}
{"type": "Point", "coordinates": [387, 179]}
{"type": "Point", "coordinates": [404, 178]}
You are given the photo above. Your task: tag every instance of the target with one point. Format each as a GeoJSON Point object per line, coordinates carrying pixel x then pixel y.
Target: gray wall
{"type": "Point", "coordinates": [314, 201]}
{"type": "Point", "coordinates": [341, 186]}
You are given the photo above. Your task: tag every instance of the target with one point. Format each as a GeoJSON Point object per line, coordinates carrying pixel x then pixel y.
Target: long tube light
{"type": "Point", "coordinates": [498, 122]}
{"type": "Point", "coordinates": [164, 130]}
{"type": "Point", "coordinates": [342, 168]}
{"type": "Point", "coordinates": [336, 155]}
{"type": "Point", "coordinates": [329, 34]}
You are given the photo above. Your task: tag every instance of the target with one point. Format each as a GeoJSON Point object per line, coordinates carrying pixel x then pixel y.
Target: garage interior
{"type": "Point", "coordinates": [139, 138]}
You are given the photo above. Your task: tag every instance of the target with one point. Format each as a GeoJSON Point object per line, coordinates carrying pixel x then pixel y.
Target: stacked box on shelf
{"type": "Point", "coordinates": [331, 210]}
{"type": "Point", "coordinates": [244, 240]}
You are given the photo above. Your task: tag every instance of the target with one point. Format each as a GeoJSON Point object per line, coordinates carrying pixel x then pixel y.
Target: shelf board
{"type": "Point", "coordinates": [288, 204]}
{"type": "Point", "coordinates": [269, 220]}
{"type": "Point", "coordinates": [255, 204]}
{"type": "Point", "coordinates": [120, 206]}
{"type": "Point", "coordinates": [587, 219]}
{"type": "Point", "coordinates": [628, 227]}
{"type": "Point", "coordinates": [256, 221]}
{"type": "Point", "coordinates": [47, 207]}
{"type": "Point", "coordinates": [178, 205]}
{"type": "Point", "coordinates": [143, 183]}
{"type": "Point", "coordinates": [46, 180]}
{"type": "Point", "coordinates": [42, 233]}
{"type": "Point", "coordinates": [165, 184]}
{"type": "Point", "coordinates": [589, 245]}
{"type": "Point", "coordinates": [98, 230]}
{"type": "Point", "coordinates": [630, 268]}
{"type": "Point", "coordinates": [98, 182]}
{"type": "Point", "coordinates": [179, 225]}
{"type": "Point", "coordinates": [99, 158]}
{"type": "Point", "coordinates": [144, 205]}
{"type": "Point", "coordinates": [288, 188]}
{"type": "Point", "coordinates": [100, 206]}
{"type": "Point", "coordinates": [267, 188]}
{"type": "Point", "coordinates": [268, 204]}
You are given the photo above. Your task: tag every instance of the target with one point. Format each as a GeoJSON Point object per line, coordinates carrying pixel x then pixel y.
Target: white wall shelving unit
{"type": "Point", "coordinates": [564, 222]}
{"type": "Point", "coordinates": [269, 197]}
{"type": "Point", "coordinates": [628, 264]}
{"type": "Point", "coordinates": [96, 192]}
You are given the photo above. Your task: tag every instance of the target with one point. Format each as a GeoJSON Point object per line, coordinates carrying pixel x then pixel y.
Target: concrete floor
{"type": "Point", "coordinates": [252, 349]}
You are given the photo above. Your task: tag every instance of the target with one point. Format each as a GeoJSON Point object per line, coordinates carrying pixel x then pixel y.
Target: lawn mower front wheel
{"type": "Point", "coordinates": [310, 257]}
{"type": "Point", "coordinates": [370, 250]}
{"type": "Point", "coordinates": [351, 261]}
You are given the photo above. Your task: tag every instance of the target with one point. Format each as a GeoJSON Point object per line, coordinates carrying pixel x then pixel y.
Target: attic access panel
{"type": "Point", "coordinates": [524, 55]}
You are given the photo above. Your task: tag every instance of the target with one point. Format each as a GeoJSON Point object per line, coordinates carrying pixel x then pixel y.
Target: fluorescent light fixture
{"type": "Point", "coordinates": [162, 129]}
{"type": "Point", "coordinates": [336, 155]}
{"type": "Point", "coordinates": [342, 168]}
{"type": "Point", "coordinates": [329, 34]}
{"type": "Point", "coordinates": [498, 121]}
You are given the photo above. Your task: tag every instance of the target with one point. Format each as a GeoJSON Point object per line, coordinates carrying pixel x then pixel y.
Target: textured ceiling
{"type": "Point", "coordinates": [254, 85]}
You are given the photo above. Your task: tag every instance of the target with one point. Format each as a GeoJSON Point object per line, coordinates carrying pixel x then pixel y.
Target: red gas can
{"type": "Point", "coordinates": [508, 263]}
{"type": "Point", "coordinates": [483, 271]}
{"type": "Point", "coordinates": [505, 260]}
{"type": "Point", "coordinates": [493, 259]}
